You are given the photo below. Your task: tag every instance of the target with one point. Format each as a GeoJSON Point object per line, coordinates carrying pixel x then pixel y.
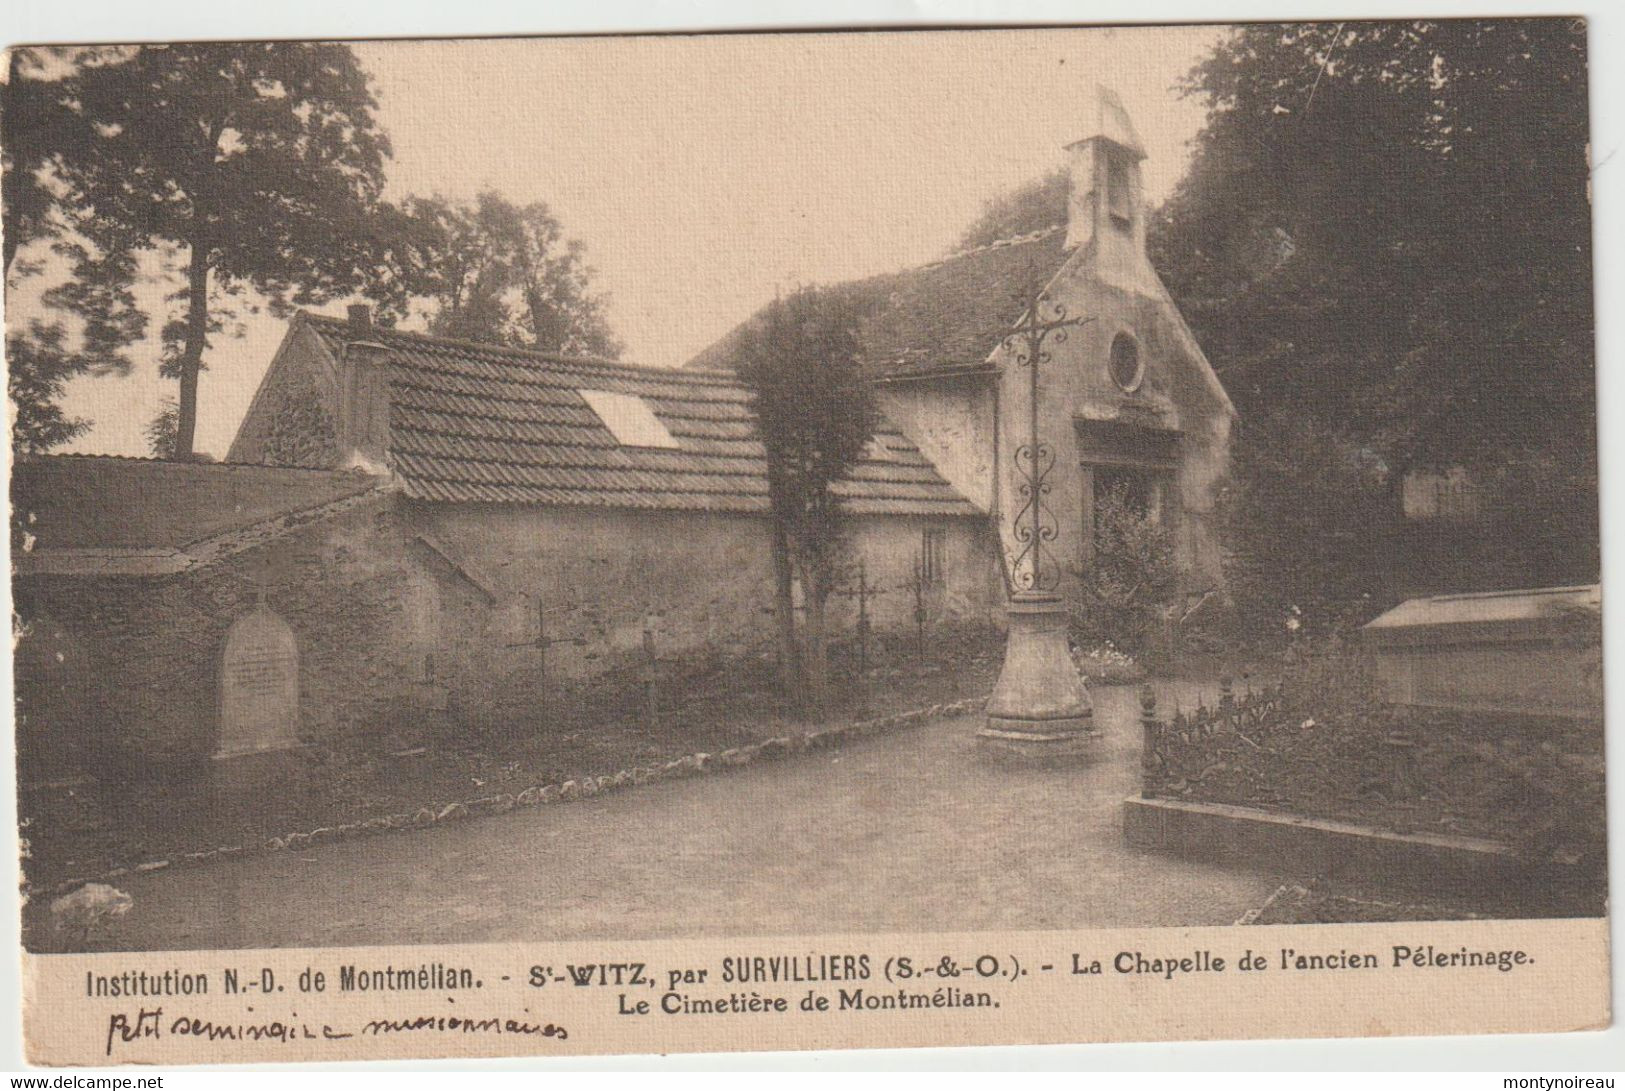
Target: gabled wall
{"type": "Point", "coordinates": [293, 419]}
{"type": "Point", "coordinates": [951, 421]}
{"type": "Point", "coordinates": [1109, 281]}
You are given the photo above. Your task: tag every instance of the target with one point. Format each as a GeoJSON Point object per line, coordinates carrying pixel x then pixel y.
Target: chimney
{"type": "Point", "coordinates": [363, 425]}
{"type": "Point", "coordinates": [1107, 202]}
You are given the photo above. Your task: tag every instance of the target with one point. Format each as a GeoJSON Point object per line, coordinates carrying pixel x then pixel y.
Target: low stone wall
{"type": "Point", "coordinates": [1223, 833]}
{"type": "Point", "coordinates": [563, 792]}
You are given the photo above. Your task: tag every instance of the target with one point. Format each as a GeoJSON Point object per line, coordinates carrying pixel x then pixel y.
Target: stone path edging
{"type": "Point", "coordinates": [1228, 834]}
{"type": "Point", "coordinates": [564, 792]}
{"type": "Point", "coordinates": [1252, 915]}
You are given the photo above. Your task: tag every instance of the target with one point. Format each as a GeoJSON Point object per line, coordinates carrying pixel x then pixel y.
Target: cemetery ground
{"type": "Point", "coordinates": [912, 830]}
{"type": "Point", "coordinates": [1535, 784]}
{"type": "Point", "coordinates": [1523, 794]}
{"type": "Point", "coordinates": [86, 827]}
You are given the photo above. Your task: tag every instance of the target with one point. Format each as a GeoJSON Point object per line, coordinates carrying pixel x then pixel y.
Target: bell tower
{"type": "Point", "coordinates": [1107, 201]}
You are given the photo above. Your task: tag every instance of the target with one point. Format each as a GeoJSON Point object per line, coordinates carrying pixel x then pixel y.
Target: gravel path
{"type": "Point", "coordinates": [912, 831]}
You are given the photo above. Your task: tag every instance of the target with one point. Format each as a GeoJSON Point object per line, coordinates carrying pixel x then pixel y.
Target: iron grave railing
{"type": "Point", "coordinates": [1170, 746]}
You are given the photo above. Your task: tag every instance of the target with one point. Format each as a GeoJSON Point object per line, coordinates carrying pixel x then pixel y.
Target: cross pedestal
{"type": "Point", "coordinates": [1040, 708]}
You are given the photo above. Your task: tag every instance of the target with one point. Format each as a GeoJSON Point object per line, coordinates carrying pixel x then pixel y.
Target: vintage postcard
{"type": "Point", "coordinates": [525, 547]}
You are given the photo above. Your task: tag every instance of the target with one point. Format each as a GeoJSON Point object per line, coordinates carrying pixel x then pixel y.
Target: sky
{"type": "Point", "coordinates": [705, 172]}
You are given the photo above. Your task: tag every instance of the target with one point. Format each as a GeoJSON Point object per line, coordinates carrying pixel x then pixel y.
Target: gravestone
{"type": "Point", "coordinates": [259, 685]}
{"type": "Point", "coordinates": [1536, 652]}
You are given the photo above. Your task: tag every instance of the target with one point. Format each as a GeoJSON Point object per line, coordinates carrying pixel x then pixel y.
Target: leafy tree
{"type": "Point", "coordinates": [38, 369]}
{"type": "Point", "coordinates": [1383, 243]}
{"type": "Point", "coordinates": [249, 166]}
{"type": "Point", "coordinates": [40, 129]}
{"type": "Point", "coordinates": [41, 357]}
{"type": "Point", "coordinates": [1542, 525]}
{"type": "Point", "coordinates": [161, 430]}
{"type": "Point", "coordinates": [494, 272]}
{"type": "Point", "coordinates": [1030, 207]}
{"type": "Point", "coordinates": [815, 413]}
{"type": "Point", "coordinates": [1310, 522]}
{"type": "Point", "coordinates": [1387, 225]}
{"type": "Point", "coordinates": [42, 136]}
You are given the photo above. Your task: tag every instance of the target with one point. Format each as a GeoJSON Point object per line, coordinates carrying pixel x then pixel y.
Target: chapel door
{"type": "Point", "coordinates": [1123, 467]}
{"type": "Point", "coordinates": [1132, 488]}
{"type": "Point", "coordinates": [1107, 489]}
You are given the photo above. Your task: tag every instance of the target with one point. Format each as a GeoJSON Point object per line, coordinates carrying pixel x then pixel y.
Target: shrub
{"type": "Point", "coordinates": [1330, 679]}
{"type": "Point", "coordinates": [1309, 523]}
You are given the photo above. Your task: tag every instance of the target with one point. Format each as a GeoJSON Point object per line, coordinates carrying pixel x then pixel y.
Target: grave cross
{"type": "Point", "coordinates": [917, 585]}
{"type": "Point", "coordinates": [863, 591]}
{"type": "Point", "coordinates": [541, 642]}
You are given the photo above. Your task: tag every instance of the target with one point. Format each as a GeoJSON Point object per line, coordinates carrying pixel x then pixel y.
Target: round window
{"type": "Point", "coordinates": [1126, 369]}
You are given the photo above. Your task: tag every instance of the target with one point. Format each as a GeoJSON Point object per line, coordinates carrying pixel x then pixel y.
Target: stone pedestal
{"type": "Point", "coordinates": [1040, 707]}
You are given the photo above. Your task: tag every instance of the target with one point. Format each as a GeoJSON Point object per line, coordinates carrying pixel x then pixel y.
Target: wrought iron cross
{"type": "Point", "coordinates": [863, 591]}
{"type": "Point", "coordinates": [1034, 524]}
{"type": "Point", "coordinates": [542, 641]}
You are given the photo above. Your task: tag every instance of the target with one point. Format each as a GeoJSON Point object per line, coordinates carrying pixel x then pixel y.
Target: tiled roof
{"type": "Point", "coordinates": [94, 502]}
{"type": "Point", "coordinates": [478, 423]}
{"type": "Point", "coordinates": [946, 316]}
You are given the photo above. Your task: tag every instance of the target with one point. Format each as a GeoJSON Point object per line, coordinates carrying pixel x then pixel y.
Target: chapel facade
{"type": "Point", "coordinates": [1127, 402]}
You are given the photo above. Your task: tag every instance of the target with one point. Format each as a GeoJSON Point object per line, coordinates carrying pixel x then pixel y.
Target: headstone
{"type": "Point", "coordinates": [1537, 651]}
{"type": "Point", "coordinates": [259, 685]}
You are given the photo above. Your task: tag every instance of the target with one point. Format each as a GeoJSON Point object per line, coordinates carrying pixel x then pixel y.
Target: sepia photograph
{"type": "Point", "coordinates": [742, 489]}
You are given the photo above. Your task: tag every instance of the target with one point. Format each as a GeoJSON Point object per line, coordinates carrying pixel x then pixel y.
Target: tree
{"type": "Point", "coordinates": [1029, 207]}
{"type": "Point", "coordinates": [43, 136]}
{"type": "Point", "coordinates": [161, 430]}
{"type": "Point", "coordinates": [41, 358]}
{"type": "Point", "coordinates": [40, 129]}
{"type": "Point", "coordinates": [249, 165]}
{"type": "Point", "coordinates": [1383, 243]}
{"type": "Point", "coordinates": [815, 414]}
{"type": "Point", "coordinates": [1388, 225]}
{"type": "Point", "coordinates": [1310, 524]}
{"type": "Point", "coordinates": [494, 272]}
{"type": "Point", "coordinates": [38, 369]}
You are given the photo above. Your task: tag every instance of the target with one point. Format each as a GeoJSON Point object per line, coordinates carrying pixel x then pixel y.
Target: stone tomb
{"type": "Point", "coordinates": [259, 685]}
{"type": "Point", "coordinates": [1537, 652]}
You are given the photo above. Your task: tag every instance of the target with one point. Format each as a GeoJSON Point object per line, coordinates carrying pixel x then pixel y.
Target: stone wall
{"type": "Point", "coordinates": [290, 422]}
{"type": "Point", "coordinates": [414, 621]}
{"type": "Point", "coordinates": [700, 582]}
{"type": "Point", "coordinates": [969, 588]}
{"type": "Point", "coordinates": [153, 691]}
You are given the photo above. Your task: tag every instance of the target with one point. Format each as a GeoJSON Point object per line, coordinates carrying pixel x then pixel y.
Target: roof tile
{"type": "Point", "coordinates": [483, 424]}
{"type": "Point", "coordinates": [945, 316]}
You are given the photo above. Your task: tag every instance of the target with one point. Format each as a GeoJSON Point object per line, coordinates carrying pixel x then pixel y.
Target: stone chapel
{"type": "Point", "coordinates": [1127, 402]}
